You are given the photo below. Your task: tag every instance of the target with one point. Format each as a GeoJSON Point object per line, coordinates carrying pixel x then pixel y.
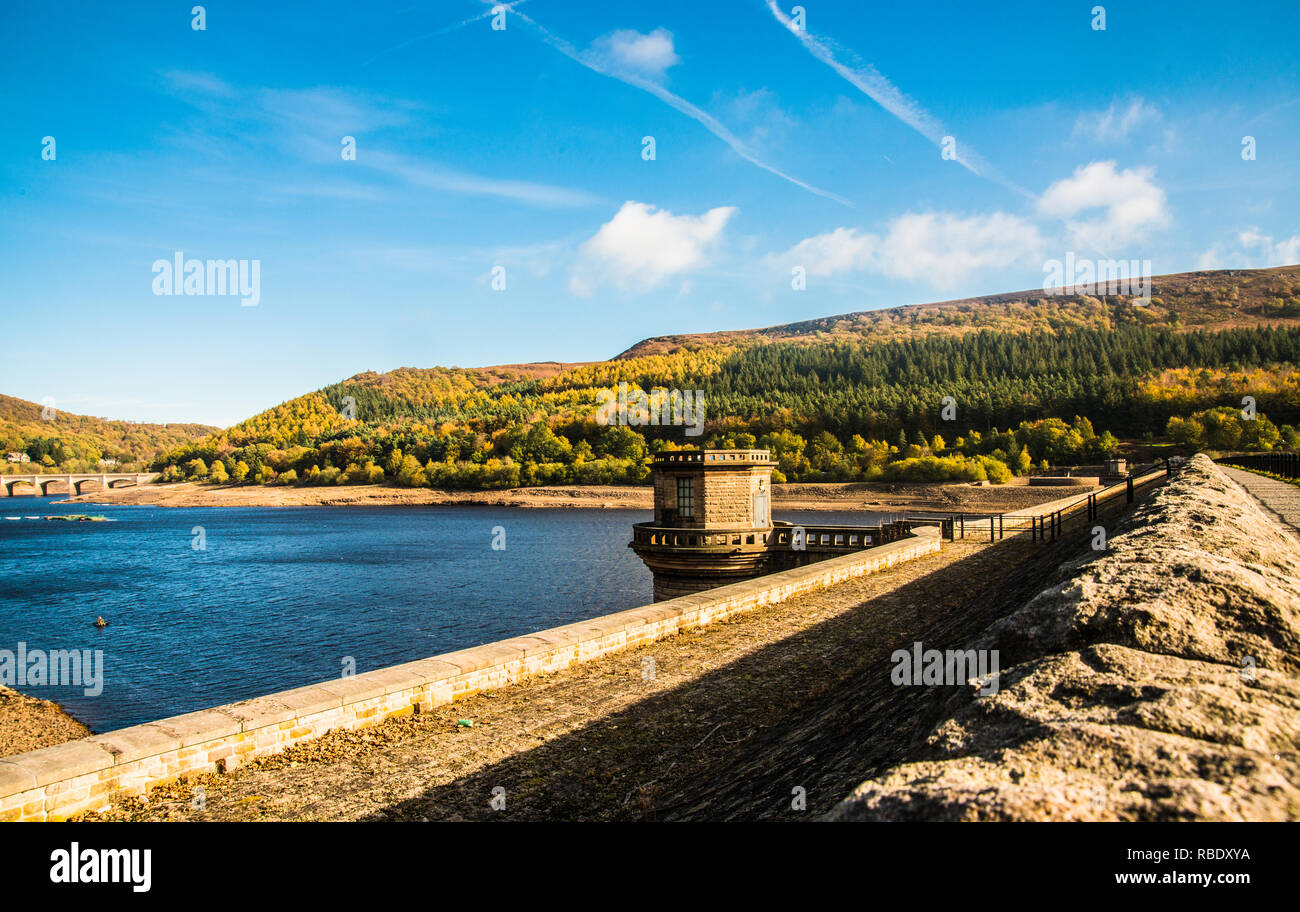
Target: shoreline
{"type": "Point", "coordinates": [875, 497]}
{"type": "Point", "coordinates": [28, 723]}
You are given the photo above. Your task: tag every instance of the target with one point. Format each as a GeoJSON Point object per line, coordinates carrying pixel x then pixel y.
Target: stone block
{"type": "Point", "coordinates": [63, 761]}
{"type": "Point", "coordinates": [14, 779]}
{"type": "Point", "coordinates": [258, 712]}
{"type": "Point", "coordinates": [198, 727]}
{"type": "Point", "coordinates": [309, 700]}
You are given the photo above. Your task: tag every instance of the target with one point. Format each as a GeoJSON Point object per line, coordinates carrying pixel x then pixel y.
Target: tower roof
{"type": "Point", "coordinates": [709, 458]}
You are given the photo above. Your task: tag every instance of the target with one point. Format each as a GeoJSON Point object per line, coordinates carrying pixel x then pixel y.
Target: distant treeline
{"type": "Point", "coordinates": [839, 410]}
{"type": "Point", "coordinates": [997, 380]}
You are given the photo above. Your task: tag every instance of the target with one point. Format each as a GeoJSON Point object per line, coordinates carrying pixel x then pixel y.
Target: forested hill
{"type": "Point", "coordinates": [858, 396]}
{"type": "Point", "coordinates": [53, 439]}
{"type": "Point", "coordinates": [1187, 300]}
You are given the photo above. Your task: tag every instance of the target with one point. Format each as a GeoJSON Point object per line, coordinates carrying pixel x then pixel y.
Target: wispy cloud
{"type": "Point", "coordinates": [1116, 122]}
{"type": "Point", "coordinates": [600, 61]}
{"type": "Point", "coordinates": [872, 83]}
{"type": "Point", "coordinates": [433, 177]}
{"type": "Point", "coordinates": [1252, 250]}
{"type": "Point", "coordinates": [318, 118]}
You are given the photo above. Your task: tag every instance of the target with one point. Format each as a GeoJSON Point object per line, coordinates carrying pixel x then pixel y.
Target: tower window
{"type": "Point", "coordinates": [686, 498]}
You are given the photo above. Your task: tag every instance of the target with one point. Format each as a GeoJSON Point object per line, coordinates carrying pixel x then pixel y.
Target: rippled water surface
{"type": "Point", "coordinates": [281, 595]}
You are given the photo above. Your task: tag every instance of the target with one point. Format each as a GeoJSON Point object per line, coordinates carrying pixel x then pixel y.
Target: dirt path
{"type": "Point", "coordinates": [1280, 499]}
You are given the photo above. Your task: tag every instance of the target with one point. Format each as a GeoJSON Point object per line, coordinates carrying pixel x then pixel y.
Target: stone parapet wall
{"type": "Point", "coordinates": [56, 782]}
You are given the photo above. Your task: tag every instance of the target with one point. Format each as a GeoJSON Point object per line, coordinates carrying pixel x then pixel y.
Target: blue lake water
{"type": "Point", "coordinates": [280, 596]}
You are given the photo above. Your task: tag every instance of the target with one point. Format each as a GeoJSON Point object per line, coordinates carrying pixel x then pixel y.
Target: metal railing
{"type": "Point", "coordinates": [1285, 464]}
{"type": "Point", "coordinates": [1046, 525]}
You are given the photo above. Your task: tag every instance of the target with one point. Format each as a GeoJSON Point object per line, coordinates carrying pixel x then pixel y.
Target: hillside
{"type": "Point", "coordinates": [846, 398]}
{"type": "Point", "coordinates": [1216, 298]}
{"type": "Point", "coordinates": [76, 443]}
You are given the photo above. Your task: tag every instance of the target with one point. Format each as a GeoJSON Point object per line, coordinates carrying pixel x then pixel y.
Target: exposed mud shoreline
{"type": "Point", "coordinates": [27, 723]}
{"type": "Point", "coordinates": [830, 496]}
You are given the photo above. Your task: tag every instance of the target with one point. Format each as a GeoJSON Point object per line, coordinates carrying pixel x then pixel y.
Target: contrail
{"type": "Point", "coordinates": [703, 118]}
{"type": "Point", "coordinates": [872, 83]}
{"type": "Point", "coordinates": [443, 31]}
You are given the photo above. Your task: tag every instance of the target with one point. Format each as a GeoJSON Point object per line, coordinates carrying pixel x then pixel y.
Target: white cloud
{"type": "Point", "coordinates": [641, 247]}
{"type": "Point", "coordinates": [651, 54]}
{"type": "Point", "coordinates": [1133, 204]}
{"type": "Point", "coordinates": [839, 251]}
{"type": "Point", "coordinates": [1252, 250]}
{"type": "Point", "coordinates": [1116, 122]}
{"type": "Point", "coordinates": [940, 248]}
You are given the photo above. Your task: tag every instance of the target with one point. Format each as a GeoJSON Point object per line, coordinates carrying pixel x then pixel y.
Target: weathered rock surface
{"type": "Point", "coordinates": [1161, 681]}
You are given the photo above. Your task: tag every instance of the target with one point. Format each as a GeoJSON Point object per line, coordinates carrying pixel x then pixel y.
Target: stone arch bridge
{"type": "Point", "coordinates": [71, 484]}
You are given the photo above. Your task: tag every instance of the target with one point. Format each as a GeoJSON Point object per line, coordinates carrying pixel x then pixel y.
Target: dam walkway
{"type": "Point", "coordinates": [736, 720]}
{"type": "Point", "coordinates": [1280, 499]}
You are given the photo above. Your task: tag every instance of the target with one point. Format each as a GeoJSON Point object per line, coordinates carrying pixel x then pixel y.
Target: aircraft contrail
{"type": "Point", "coordinates": [872, 83]}
{"type": "Point", "coordinates": [701, 117]}
{"type": "Point", "coordinates": [443, 31]}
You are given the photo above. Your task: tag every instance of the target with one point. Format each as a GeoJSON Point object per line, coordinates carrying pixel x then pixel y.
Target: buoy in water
{"type": "Point", "coordinates": [101, 623]}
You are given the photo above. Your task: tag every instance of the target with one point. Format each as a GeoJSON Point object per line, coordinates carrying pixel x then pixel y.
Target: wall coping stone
{"type": "Point", "coordinates": [13, 778]}
{"type": "Point", "coordinates": [64, 761]}
{"type": "Point", "coordinates": [312, 698]}
{"type": "Point", "coordinates": [135, 743]}
{"type": "Point", "coordinates": [197, 727]}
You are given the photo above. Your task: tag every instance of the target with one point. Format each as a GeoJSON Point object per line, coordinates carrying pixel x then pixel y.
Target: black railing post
{"type": "Point", "coordinates": [1129, 489]}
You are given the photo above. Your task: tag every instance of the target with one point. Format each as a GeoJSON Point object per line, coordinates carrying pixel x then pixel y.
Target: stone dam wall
{"type": "Point", "coordinates": [1158, 680]}
{"type": "Point", "coordinates": [56, 782]}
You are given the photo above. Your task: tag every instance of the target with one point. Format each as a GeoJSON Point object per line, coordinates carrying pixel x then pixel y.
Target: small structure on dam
{"type": "Point", "coordinates": [713, 524]}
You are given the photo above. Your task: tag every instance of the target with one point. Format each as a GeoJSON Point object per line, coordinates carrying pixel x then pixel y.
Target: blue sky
{"type": "Point", "coordinates": [778, 144]}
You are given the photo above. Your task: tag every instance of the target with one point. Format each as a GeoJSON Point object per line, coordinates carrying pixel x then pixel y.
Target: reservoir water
{"type": "Point", "coordinates": [279, 597]}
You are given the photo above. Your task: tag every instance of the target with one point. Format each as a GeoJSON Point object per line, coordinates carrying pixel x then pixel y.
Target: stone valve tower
{"type": "Point", "coordinates": [713, 519]}
{"type": "Point", "coordinates": [713, 524]}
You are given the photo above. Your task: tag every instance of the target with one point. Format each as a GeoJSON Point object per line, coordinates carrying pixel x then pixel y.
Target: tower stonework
{"type": "Point", "coordinates": [713, 524]}
{"type": "Point", "coordinates": [713, 519]}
